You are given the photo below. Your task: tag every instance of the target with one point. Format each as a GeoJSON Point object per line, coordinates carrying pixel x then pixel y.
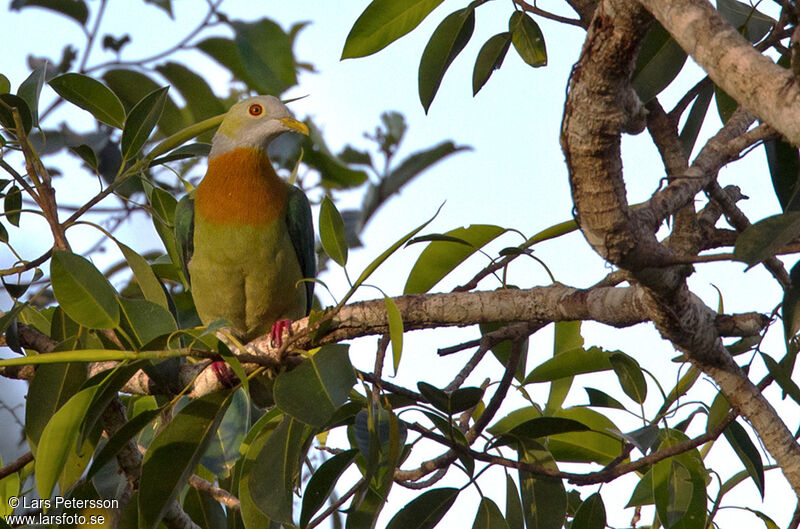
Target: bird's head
{"type": "Point", "coordinates": [253, 123]}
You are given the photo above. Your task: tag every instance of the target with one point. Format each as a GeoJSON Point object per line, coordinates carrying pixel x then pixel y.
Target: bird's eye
{"type": "Point", "coordinates": [256, 109]}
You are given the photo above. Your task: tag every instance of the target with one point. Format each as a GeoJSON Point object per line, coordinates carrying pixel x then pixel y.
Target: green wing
{"type": "Point", "coordinates": [301, 231]}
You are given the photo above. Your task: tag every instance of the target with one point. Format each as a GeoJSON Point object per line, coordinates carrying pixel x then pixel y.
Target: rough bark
{"type": "Point", "coordinates": [598, 110]}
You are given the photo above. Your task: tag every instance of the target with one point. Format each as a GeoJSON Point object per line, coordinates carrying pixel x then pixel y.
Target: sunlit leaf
{"type": "Point", "coordinates": [527, 38]}
{"type": "Point", "coordinates": [440, 258]}
{"type": "Point", "coordinates": [58, 439]}
{"type": "Point", "coordinates": [383, 22]}
{"type": "Point", "coordinates": [395, 331]}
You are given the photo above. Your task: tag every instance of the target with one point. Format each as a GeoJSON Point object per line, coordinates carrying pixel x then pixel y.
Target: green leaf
{"type": "Point", "coordinates": [570, 363]}
{"type": "Point", "coordinates": [514, 515]}
{"type": "Point", "coordinates": [630, 376]}
{"type": "Point", "coordinates": [643, 492]}
{"type": "Point", "coordinates": [424, 511]}
{"type": "Point", "coordinates": [322, 483]}
{"type": "Point", "coordinates": [660, 60]}
{"type": "Point", "coordinates": [679, 487]}
{"type": "Point", "coordinates": [83, 292]}
{"type": "Point", "coordinates": [144, 321]}
{"type": "Point", "coordinates": [784, 169]}
{"type": "Point", "coordinates": [489, 516]}
{"type": "Point", "coordinates": [128, 431]}
{"type": "Point", "coordinates": [541, 427]}
{"type": "Point", "coordinates": [782, 377]}
{"type": "Point", "coordinates": [726, 105]}
{"type": "Point", "coordinates": [383, 22]}
{"type": "Point", "coordinates": [603, 400]}
{"type": "Point", "coordinates": [447, 41]}
{"type": "Point", "coordinates": [502, 350]}
{"type": "Point", "coordinates": [266, 54]}
{"type": "Point", "coordinates": [131, 86]}
{"type": "Point", "coordinates": [200, 99]}
{"type": "Point", "coordinates": [58, 439]}
{"type": "Point", "coordinates": [420, 161]}
{"type": "Point", "coordinates": [224, 449]}
{"type": "Point", "coordinates": [174, 453]}
{"type": "Point", "coordinates": [489, 59]}
{"type": "Point", "coordinates": [145, 278]}
{"type": "Point", "coordinates": [453, 402]}
{"type": "Point", "coordinates": [697, 114]}
{"type": "Point", "coordinates": [30, 89]}
{"type": "Point", "coordinates": [331, 232]}
{"type": "Point", "coordinates": [12, 205]}
{"type": "Point", "coordinates": [528, 39]}
{"type": "Point", "coordinates": [750, 22]}
{"type": "Point", "coordinates": [6, 116]}
{"type": "Point", "coordinates": [74, 9]}
{"type": "Point", "coordinates": [395, 331]}
{"type": "Point", "coordinates": [204, 510]}
{"type": "Point", "coordinates": [86, 154]}
{"type": "Point", "coordinates": [441, 257]}
{"type": "Point", "coordinates": [544, 499]}
{"type": "Point", "coordinates": [790, 308]}
{"type": "Point", "coordinates": [252, 446]}
{"type": "Point", "coordinates": [672, 491]}
{"type": "Point", "coordinates": [5, 85]}
{"type": "Point", "coordinates": [768, 522]}
{"type": "Point", "coordinates": [225, 52]}
{"type": "Point", "coordinates": [747, 452]}
{"type": "Point", "coordinates": [141, 122]}
{"type": "Point", "coordinates": [315, 389]}
{"type": "Point", "coordinates": [761, 240]}
{"type": "Point", "coordinates": [567, 337]}
{"type": "Point", "coordinates": [276, 470]}
{"type": "Point", "coordinates": [591, 514]}
{"type": "Point", "coordinates": [51, 387]}
{"type": "Point", "coordinates": [91, 95]}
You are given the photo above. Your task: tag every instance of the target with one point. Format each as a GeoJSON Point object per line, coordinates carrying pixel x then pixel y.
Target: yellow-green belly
{"type": "Point", "coordinates": [247, 275]}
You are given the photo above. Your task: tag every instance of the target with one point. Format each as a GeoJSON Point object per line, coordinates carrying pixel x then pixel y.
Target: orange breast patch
{"type": "Point", "coordinates": [241, 187]}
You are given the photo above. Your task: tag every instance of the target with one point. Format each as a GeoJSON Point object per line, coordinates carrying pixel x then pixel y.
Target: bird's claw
{"type": "Point", "coordinates": [221, 371]}
{"type": "Point", "coordinates": [276, 333]}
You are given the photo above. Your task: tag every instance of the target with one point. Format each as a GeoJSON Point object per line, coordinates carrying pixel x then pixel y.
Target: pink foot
{"type": "Point", "coordinates": [221, 371]}
{"type": "Point", "coordinates": [276, 333]}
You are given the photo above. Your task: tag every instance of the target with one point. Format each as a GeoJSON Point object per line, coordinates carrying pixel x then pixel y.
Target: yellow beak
{"type": "Point", "coordinates": [295, 125]}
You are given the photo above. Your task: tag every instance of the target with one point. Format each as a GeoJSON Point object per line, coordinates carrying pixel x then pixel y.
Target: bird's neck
{"type": "Point", "coordinates": [241, 187]}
